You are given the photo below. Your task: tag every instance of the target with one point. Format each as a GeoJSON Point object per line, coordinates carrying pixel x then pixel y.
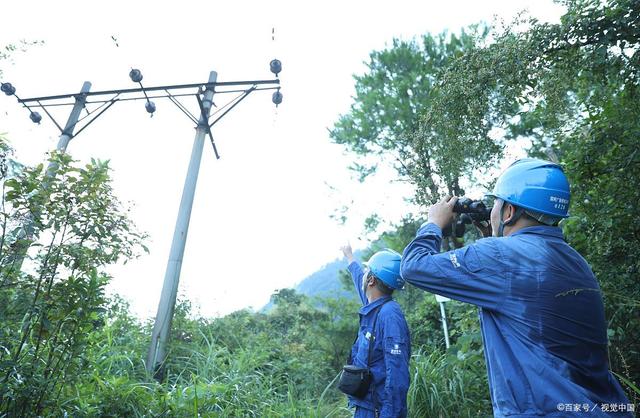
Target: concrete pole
{"type": "Point", "coordinates": [162, 325]}
{"type": "Point", "coordinates": [444, 324]}
{"type": "Point", "coordinates": [28, 233]}
{"type": "Point", "coordinates": [67, 134]}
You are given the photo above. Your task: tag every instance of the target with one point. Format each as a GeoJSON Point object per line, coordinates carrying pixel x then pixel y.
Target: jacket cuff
{"type": "Point", "coordinates": [429, 228]}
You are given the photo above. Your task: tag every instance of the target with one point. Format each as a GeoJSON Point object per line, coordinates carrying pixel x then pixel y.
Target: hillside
{"type": "Point", "coordinates": [324, 283]}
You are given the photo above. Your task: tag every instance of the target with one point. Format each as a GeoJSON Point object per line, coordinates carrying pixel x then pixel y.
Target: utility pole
{"type": "Point", "coordinates": [27, 232]}
{"type": "Point", "coordinates": [164, 317]}
{"type": "Point", "coordinates": [67, 133]}
{"type": "Point", "coordinates": [441, 300]}
{"type": "Point", "coordinates": [162, 327]}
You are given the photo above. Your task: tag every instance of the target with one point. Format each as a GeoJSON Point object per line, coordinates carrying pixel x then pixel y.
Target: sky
{"type": "Point", "coordinates": [261, 217]}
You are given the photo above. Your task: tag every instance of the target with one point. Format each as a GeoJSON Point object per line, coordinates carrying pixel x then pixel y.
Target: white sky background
{"type": "Point", "coordinates": [260, 218]}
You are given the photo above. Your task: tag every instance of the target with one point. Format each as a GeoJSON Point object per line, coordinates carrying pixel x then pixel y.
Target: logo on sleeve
{"type": "Point", "coordinates": [396, 350]}
{"type": "Point", "coordinates": [454, 259]}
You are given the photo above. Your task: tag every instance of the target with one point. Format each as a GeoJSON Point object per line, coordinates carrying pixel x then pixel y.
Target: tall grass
{"type": "Point", "coordinates": [449, 385]}
{"type": "Point", "coordinates": [256, 375]}
{"type": "Point", "coordinates": [206, 380]}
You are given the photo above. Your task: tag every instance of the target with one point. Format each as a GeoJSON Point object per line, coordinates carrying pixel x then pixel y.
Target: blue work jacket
{"type": "Point", "coordinates": [541, 314]}
{"type": "Point", "coordinates": [390, 356]}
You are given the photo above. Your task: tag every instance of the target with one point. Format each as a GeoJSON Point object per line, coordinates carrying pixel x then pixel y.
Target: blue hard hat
{"type": "Point", "coordinates": [537, 185]}
{"type": "Point", "coordinates": [385, 265]}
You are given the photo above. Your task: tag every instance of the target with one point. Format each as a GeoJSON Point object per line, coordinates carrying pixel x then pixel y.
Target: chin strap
{"type": "Point", "coordinates": [514, 218]}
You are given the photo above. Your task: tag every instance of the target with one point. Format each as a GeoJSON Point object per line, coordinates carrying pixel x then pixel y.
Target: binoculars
{"type": "Point", "coordinates": [473, 210]}
{"type": "Point", "coordinates": [470, 210]}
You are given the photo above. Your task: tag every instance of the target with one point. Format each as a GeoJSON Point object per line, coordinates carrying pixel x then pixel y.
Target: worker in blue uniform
{"type": "Point", "coordinates": [541, 310]}
{"type": "Point", "coordinates": [391, 350]}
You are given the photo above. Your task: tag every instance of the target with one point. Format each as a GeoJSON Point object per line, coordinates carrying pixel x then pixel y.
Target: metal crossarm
{"type": "Point", "coordinates": [157, 88]}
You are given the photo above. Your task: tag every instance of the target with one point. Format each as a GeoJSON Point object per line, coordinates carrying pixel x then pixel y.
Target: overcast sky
{"type": "Point", "coordinates": [261, 215]}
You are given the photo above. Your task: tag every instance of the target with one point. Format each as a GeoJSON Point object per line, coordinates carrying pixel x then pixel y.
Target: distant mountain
{"type": "Point", "coordinates": [324, 283]}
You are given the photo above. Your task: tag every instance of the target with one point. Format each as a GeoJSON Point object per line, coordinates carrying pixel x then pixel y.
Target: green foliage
{"type": "Point", "coordinates": [245, 364]}
{"type": "Point", "coordinates": [603, 163]}
{"type": "Point", "coordinates": [453, 384]}
{"type": "Point", "coordinates": [283, 363]}
{"type": "Point", "coordinates": [54, 298]}
{"type": "Point", "coordinates": [390, 97]}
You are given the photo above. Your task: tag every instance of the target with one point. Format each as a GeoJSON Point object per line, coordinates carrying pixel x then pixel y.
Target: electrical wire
{"type": "Point", "coordinates": [163, 96]}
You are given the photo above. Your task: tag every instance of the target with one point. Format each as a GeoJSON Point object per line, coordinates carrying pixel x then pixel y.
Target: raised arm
{"type": "Point", "coordinates": [356, 272]}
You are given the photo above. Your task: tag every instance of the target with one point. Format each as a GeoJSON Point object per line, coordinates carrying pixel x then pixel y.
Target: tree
{"type": "Point", "coordinates": [391, 97]}
{"type": "Point", "coordinates": [48, 309]}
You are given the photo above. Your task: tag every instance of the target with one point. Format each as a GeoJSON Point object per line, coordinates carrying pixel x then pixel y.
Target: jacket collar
{"type": "Point", "coordinates": [371, 306]}
{"type": "Point", "coordinates": [552, 231]}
